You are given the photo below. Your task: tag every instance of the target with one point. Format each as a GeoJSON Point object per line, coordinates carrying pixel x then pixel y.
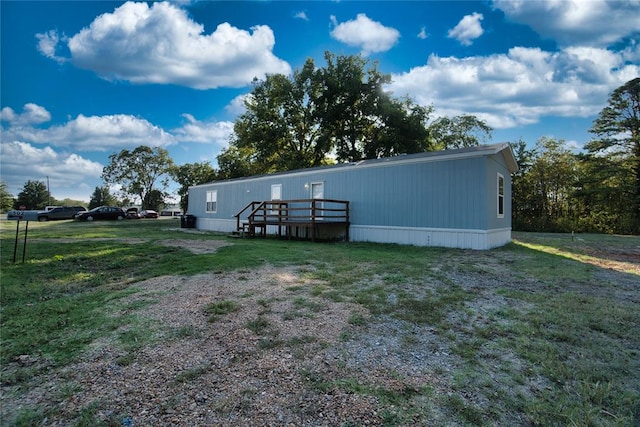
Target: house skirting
{"type": "Point", "coordinates": [443, 237]}
{"type": "Point", "coordinates": [221, 225]}
{"type": "Point", "coordinates": [418, 236]}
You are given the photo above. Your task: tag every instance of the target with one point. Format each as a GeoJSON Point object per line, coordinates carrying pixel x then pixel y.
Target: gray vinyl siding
{"type": "Point", "coordinates": [447, 198]}
{"type": "Point", "coordinates": [442, 194]}
{"type": "Point", "coordinates": [437, 195]}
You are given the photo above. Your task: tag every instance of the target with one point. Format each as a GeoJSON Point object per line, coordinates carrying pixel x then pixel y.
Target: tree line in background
{"type": "Point", "coordinates": [339, 113]}
{"type": "Point", "coordinates": [597, 191]}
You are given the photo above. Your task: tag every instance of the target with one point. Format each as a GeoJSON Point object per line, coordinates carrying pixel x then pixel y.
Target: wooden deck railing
{"type": "Point", "coordinates": [311, 214]}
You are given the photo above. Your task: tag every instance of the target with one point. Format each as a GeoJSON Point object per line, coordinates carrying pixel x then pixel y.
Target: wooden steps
{"type": "Point", "coordinates": [302, 218]}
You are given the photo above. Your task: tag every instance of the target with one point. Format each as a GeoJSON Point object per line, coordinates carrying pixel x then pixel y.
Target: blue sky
{"type": "Point", "coordinates": [81, 80]}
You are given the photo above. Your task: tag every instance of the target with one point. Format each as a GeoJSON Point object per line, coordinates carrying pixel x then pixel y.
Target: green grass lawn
{"type": "Point", "coordinates": [571, 324]}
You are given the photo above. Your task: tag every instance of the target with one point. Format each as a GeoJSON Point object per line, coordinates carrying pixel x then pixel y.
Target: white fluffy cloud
{"type": "Point", "coordinates": [31, 150]}
{"type": "Point", "coordinates": [31, 114]}
{"type": "Point", "coordinates": [210, 132]}
{"type": "Point", "coordinates": [368, 35]}
{"type": "Point", "coordinates": [91, 133]}
{"type": "Point", "coordinates": [236, 107]}
{"type": "Point", "coordinates": [468, 29]}
{"type": "Point", "coordinates": [161, 44]}
{"type": "Point", "coordinates": [576, 22]}
{"type": "Point", "coordinates": [109, 132]}
{"type": "Point", "coordinates": [519, 87]}
{"type": "Point", "coordinates": [22, 161]}
{"type": "Point", "coordinates": [47, 44]}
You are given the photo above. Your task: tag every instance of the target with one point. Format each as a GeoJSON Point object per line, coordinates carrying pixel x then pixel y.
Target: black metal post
{"type": "Point", "coordinates": [15, 246]}
{"type": "Point", "coordinates": [24, 245]}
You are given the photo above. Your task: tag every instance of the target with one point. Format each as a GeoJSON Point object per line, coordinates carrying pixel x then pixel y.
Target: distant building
{"type": "Point", "coordinates": [171, 210]}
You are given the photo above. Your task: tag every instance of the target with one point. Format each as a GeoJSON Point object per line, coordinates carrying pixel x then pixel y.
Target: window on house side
{"type": "Point", "coordinates": [212, 201]}
{"type": "Point", "coordinates": [276, 192]}
{"type": "Point", "coordinates": [500, 196]}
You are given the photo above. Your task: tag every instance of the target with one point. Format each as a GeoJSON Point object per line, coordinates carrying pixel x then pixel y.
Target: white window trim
{"type": "Point", "coordinates": [500, 196]}
{"type": "Point", "coordinates": [215, 200]}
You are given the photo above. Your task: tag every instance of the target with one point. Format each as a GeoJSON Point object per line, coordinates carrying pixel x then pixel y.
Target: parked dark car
{"type": "Point", "coordinates": [102, 212]}
{"type": "Point", "coordinates": [148, 214]}
{"type": "Point", "coordinates": [62, 212]}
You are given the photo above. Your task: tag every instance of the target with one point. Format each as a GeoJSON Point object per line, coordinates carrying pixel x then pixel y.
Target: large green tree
{"type": "Point", "coordinates": [6, 198]}
{"type": "Point", "coordinates": [191, 174]}
{"type": "Point", "coordinates": [350, 104]}
{"type": "Point", "coordinates": [280, 128]}
{"type": "Point", "coordinates": [617, 131]}
{"type": "Point", "coordinates": [139, 172]}
{"type": "Point", "coordinates": [339, 111]}
{"type": "Point", "coordinates": [336, 112]}
{"type": "Point", "coordinates": [34, 195]}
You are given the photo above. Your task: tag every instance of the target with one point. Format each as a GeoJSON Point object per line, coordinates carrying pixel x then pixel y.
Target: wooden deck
{"type": "Point", "coordinates": [324, 219]}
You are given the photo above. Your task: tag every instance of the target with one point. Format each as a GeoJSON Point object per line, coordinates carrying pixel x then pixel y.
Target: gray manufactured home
{"type": "Point", "coordinates": [454, 198]}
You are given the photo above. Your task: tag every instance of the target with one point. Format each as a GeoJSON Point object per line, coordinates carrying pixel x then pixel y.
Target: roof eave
{"type": "Point", "coordinates": [509, 157]}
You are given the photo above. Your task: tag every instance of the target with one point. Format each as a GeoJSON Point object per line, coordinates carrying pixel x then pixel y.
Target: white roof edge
{"type": "Point", "coordinates": [509, 156]}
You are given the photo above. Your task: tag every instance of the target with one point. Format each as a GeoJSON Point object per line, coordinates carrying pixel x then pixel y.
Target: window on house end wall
{"type": "Point", "coordinates": [500, 196]}
{"type": "Point", "coordinates": [212, 201]}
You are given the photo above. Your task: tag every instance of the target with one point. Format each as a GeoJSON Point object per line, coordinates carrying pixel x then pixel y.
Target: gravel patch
{"type": "Point", "coordinates": [222, 373]}
{"type": "Point", "coordinates": [286, 357]}
{"type": "Point", "coordinates": [296, 370]}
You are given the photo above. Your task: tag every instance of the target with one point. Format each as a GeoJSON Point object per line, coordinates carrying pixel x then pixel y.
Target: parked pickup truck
{"type": "Point", "coordinates": [62, 212]}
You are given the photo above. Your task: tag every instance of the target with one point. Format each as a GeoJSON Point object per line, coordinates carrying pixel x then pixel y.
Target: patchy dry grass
{"type": "Point", "coordinates": [112, 323]}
